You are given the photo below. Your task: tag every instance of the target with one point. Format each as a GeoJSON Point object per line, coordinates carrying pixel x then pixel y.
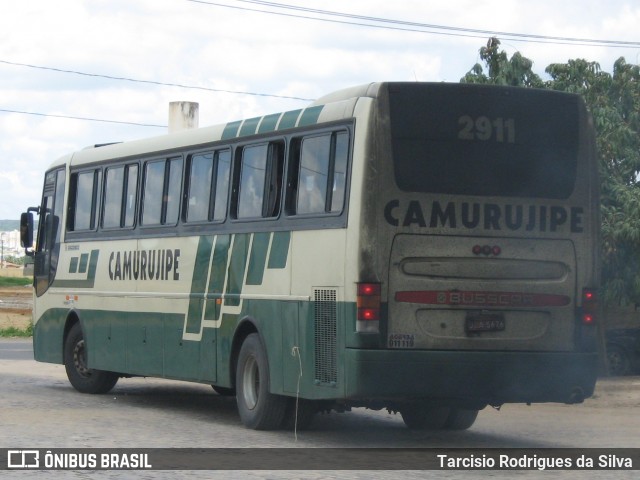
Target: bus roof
{"type": "Point", "coordinates": [332, 107]}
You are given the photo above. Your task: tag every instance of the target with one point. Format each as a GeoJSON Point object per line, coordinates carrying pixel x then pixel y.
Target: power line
{"type": "Point", "coordinates": [83, 118]}
{"type": "Point", "coordinates": [153, 82]}
{"type": "Point", "coordinates": [391, 24]}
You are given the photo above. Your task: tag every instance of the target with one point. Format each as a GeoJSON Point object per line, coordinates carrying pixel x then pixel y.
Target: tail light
{"type": "Point", "coordinates": [589, 306]}
{"type": "Point", "coordinates": [368, 307]}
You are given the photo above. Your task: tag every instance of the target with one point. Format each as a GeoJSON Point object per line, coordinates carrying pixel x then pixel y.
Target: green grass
{"type": "Point", "coordinates": [15, 281]}
{"type": "Point", "coordinates": [16, 332]}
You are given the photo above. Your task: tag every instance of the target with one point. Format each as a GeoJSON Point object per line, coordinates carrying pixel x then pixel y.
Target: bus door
{"type": "Point", "coordinates": [49, 231]}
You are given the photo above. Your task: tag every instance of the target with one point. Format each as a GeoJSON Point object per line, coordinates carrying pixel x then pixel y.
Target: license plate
{"type": "Point", "coordinates": [485, 322]}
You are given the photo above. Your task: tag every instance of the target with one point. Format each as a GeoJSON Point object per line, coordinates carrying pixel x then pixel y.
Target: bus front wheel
{"type": "Point", "coordinates": [259, 409]}
{"type": "Point", "coordinates": [81, 377]}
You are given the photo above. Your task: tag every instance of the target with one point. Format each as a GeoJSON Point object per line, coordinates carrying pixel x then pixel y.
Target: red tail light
{"type": "Point", "coordinates": [589, 306]}
{"type": "Point", "coordinates": [368, 307]}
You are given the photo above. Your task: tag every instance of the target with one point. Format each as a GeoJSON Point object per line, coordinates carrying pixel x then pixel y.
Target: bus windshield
{"type": "Point", "coordinates": [484, 141]}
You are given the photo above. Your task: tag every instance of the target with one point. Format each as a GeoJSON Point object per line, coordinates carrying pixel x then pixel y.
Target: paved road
{"type": "Point", "coordinates": [39, 409]}
{"type": "Point", "coordinates": [16, 350]}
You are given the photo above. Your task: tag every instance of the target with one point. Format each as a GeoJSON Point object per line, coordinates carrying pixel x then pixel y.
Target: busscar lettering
{"type": "Point", "coordinates": [145, 265]}
{"type": "Point", "coordinates": [488, 216]}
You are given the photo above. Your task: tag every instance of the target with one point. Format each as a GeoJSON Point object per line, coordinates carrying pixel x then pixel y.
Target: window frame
{"type": "Point", "coordinates": [295, 166]}
{"type": "Point", "coordinates": [96, 197]}
{"type": "Point", "coordinates": [273, 188]}
{"type": "Point", "coordinates": [124, 192]}
{"type": "Point", "coordinates": [166, 186]}
{"type": "Point", "coordinates": [284, 217]}
{"type": "Point", "coordinates": [213, 186]}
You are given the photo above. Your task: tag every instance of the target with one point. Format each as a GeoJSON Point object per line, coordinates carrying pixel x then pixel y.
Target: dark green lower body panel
{"type": "Point", "coordinates": [147, 344]}
{"type": "Point", "coordinates": [311, 352]}
{"type": "Point", "coordinates": [48, 336]}
{"type": "Point", "coordinates": [483, 377]}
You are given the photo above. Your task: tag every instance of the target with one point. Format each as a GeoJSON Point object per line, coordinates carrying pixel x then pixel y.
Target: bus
{"type": "Point", "coordinates": [427, 248]}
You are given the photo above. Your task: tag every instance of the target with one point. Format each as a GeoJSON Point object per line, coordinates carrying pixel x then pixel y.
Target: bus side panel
{"type": "Point", "coordinates": [147, 344]}
{"type": "Point", "coordinates": [106, 333]}
{"type": "Point", "coordinates": [291, 352]}
{"type": "Point", "coordinates": [224, 349]}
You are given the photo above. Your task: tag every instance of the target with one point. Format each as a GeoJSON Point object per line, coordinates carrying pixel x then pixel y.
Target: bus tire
{"type": "Point", "coordinates": [419, 417]}
{"type": "Point", "coordinates": [460, 419]}
{"type": "Point", "coordinates": [618, 360]}
{"type": "Point", "coordinates": [224, 391]}
{"type": "Point", "coordinates": [259, 409]}
{"type": "Point", "coordinates": [81, 377]}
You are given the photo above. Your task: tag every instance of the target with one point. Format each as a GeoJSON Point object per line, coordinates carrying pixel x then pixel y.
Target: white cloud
{"type": "Point", "coordinates": [234, 49]}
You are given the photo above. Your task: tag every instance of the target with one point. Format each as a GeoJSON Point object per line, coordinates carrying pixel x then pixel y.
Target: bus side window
{"type": "Point", "coordinates": [207, 186]}
{"type": "Point", "coordinates": [120, 194]}
{"type": "Point", "coordinates": [313, 174]}
{"type": "Point", "coordinates": [340, 157]}
{"type": "Point", "coordinates": [260, 183]}
{"type": "Point", "coordinates": [130, 196]}
{"type": "Point", "coordinates": [161, 195]}
{"type": "Point", "coordinates": [153, 192]}
{"type": "Point", "coordinates": [222, 181]}
{"type": "Point", "coordinates": [200, 171]}
{"type": "Point", "coordinates": [84, 199]}
{"type": "Point", "coordinates": [112, 204]}
{"type": "Point", "coordinates": [318, 174]}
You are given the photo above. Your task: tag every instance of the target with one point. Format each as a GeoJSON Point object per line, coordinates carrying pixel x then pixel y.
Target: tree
{"type": "Point", "coordinates": [614, 103]}
{"type": "Point", "coordinates": [515, 72]}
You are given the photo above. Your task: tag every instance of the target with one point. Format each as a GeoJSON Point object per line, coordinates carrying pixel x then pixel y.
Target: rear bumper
{"type": "Point", "coordinates": [470, 377]}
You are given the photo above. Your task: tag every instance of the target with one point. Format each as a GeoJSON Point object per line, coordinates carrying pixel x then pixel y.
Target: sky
{"type": "Point", "coordinates": [241, 59]}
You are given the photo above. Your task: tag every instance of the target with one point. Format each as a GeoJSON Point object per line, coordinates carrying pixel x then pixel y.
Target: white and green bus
{"type": "Point", "coordinates": [426, 248]}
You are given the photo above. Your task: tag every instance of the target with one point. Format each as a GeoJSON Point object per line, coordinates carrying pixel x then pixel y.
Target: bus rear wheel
{"type": "Point", "coordinates": [259, 409]}
{"type": "Point", "coordinates": [419, 417]}
{"type": "Point", "coordinates": [461, 419]}
{"type": "Point", "coordinates": [81, 377]}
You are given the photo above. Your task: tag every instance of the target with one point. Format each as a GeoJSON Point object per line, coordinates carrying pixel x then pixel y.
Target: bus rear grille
{"type": "Point", "coordinates": [326, 371]}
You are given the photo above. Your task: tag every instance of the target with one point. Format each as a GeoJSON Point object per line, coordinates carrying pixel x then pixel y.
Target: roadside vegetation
{"type": "Point", "coordinates": [614, 102]}
{"type": "Point", "coordinates": [16, 332]}
{"type": "Point", "coordinates": [14, 281]}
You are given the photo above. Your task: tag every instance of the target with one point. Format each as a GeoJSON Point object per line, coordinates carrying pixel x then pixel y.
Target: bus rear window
{"type": "Point", "coordinates": [479, 140]}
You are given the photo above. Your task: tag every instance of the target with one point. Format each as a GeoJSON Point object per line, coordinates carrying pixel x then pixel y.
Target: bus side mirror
{"type": "Point", "coordinates": [26, 233]}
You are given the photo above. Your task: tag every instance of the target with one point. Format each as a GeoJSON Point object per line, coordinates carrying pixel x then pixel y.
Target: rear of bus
{"type": "Point", "coordinates": [480, 239]}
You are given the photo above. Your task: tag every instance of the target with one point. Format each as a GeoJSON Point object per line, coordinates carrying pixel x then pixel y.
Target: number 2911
{"type": "Point", "coordinates": [502, 130]}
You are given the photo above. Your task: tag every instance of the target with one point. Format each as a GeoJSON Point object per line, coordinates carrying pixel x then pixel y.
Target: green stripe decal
{"type": "Point", "coordinates": [73, 265]}
{"type": "Point", "coordinates": [231, 130]}
{"type": "Point", "coordinates": [198, 284]}
{"type": "Point", "coordinates": [310, 116]}
{"type": "Point", "coordinates": [258, 258]}
{"type": "Point", "coordinates": [84, 260]}
{"type": "Point", "coordinates": [269, 123]}
{"type": "Point", "coordinates": [87, 264]}
{"type": "Point", "coordinates": [249, 126]}
{"type": "Point", "coordinates": [218, 274]}
{"type": "Point", "coordinates": [289, 119]}
{"type": "Point", "coordinates": [279, 250]}
{"type": "Point", "coordinates": [237, 266]}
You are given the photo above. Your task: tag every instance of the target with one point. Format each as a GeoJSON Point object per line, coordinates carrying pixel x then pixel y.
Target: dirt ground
{"type": "Point", "coordinates": [15, 307]}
